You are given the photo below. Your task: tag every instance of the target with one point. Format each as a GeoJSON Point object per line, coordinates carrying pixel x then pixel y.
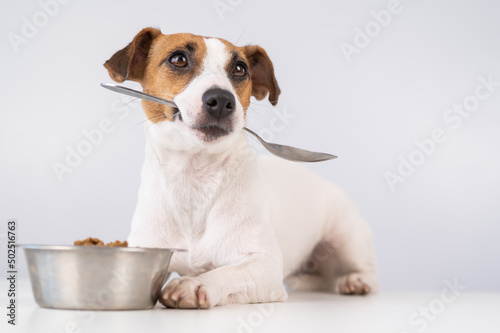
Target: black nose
{"type": "Point", "coordinates": [218, 102]}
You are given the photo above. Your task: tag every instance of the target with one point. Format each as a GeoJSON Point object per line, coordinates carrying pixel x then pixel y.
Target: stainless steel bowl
{"type": "Point", "coordinates": [95, 277]}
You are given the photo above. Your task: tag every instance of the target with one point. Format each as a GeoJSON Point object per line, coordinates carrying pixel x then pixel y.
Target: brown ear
{"type": "Point", "coordinates": [129, 63]}
{"type": "Point", "coordinates": [262, 73]}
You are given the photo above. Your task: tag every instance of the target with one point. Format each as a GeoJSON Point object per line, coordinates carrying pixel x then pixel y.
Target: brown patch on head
{"type": "Point", "coordinates": [147, 60]}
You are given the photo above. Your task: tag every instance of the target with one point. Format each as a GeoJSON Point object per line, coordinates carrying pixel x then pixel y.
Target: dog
{"type": "Point", "coordinates": [250, 224]}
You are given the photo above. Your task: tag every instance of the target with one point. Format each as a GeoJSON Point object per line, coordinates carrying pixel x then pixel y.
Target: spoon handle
{"type": "Point", "coordinates": [138, 94]}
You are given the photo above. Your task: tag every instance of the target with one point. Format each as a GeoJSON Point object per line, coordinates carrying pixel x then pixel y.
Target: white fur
{"type": "Point", "coordinates": [247, 222]}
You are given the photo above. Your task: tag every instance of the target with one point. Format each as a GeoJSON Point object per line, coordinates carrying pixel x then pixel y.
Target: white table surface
{"type": "Point", "coordinates": [304, 312]}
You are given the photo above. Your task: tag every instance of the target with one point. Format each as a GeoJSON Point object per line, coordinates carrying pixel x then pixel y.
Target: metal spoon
{"type": "Point", "coordinates": [283, 151]}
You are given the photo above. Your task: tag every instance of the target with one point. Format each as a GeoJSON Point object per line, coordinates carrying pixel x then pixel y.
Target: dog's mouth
{"type": "Point", "coordinates": [209, 132]}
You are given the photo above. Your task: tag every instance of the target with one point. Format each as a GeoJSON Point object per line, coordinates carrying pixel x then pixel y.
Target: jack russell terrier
{"type": "Point", "coordinates": [249, 223]}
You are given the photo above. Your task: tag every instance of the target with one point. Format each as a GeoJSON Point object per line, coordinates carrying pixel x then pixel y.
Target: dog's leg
{"type": "Point", "coordinates": [254, 281]}
{"type": "Point", "coordinates": [353, 263]}
{"type": "Point", "coordinates": [346, 256]}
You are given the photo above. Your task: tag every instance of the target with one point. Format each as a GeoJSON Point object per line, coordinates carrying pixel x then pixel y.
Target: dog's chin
{"type": "Point", "coordinates": [210, 132]}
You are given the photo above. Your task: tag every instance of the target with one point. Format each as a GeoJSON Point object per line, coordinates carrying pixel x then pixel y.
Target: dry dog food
{"type": "Point", "coordinates": [118, 244]}
{"type": "Point", "coordinates": [97, 242]}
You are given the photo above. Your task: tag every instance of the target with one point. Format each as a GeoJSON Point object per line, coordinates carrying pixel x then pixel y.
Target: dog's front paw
{"type": "Point", "coordinates": [185, 293]}
{"type": "Point", "coordinates": [355, 284]}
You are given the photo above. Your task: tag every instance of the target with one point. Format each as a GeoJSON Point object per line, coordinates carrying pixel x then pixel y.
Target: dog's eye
{"type": "Point", "coordinates": [178, 60]}
{"type": "Point", "coordinates": [239, 69]}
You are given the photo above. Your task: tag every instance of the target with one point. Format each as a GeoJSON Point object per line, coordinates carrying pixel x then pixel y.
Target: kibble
{"type": "Point", "coordinates": [97, 242]}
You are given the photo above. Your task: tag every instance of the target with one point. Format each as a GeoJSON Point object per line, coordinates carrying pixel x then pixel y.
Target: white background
{"type": "Point", "coordinates": [442, 222]}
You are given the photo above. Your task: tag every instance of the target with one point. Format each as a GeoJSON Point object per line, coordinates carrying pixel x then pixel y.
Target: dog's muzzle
{"type": "Point", "coordinates": [218, 105]}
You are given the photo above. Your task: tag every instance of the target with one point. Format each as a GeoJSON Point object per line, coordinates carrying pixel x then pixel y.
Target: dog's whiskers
{"type": "Point", "coordinates": [153, 123]}
{"type": "Point", "coordinates": [124, 105]}
{"type": "Point", "coordinates": [241, 35]}
{"type": "Point", "coordinates": [153, 118]}
{"type": "Point", "coordinates": [258, 115]}
{"type": "Point", "coordinates": [163, 116]}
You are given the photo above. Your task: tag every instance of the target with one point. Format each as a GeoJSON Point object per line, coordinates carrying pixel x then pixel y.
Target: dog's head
{"type": "Point", "coordinates": [209, 79]}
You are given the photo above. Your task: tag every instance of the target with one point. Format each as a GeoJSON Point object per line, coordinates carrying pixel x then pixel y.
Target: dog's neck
{"type": "Point", "coordinates": [210, 161]}
{"type": "Point", "coordinates": [194, 179]}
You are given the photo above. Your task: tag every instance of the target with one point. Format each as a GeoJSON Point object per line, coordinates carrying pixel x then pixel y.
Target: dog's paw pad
{"type": "Point", "coordinates": [353, 284]}
{"type": "Point", "coordinates": [185, 293]}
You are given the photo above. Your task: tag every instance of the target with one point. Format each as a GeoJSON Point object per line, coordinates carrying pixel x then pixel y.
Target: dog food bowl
{"type": "Point", "coordinates": [97, 277]}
